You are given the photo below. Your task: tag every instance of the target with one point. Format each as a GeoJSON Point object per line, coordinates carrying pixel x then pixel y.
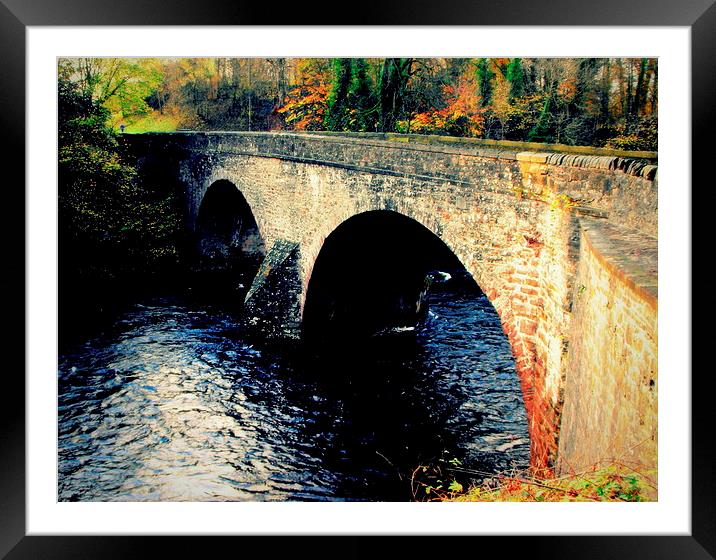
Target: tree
{"type": "Point", "coordinates": [306, 103]}
{"type": "Point", "coordinates": [485, 75]}
{"type": "Point", "coordinates": [542, 131]}
{"type": "Point", "coordinates": [109, 223]}
{"type": "Point", "coordinates": [121, 85]}
{"type": "Point", "coordinates": [361, 97]}
{"type": "Point", "coordinates": [351, 102]}
{"type": "Point", "coordinates": [337, 114]}
{"type": "Point", "coordinates": [516, 77]}
{"type": "Point", "coordinates": [461, 115]}
{"type": "Point", "coordinates": [577, 103]}
{"type": "Point", "coordinates": [394, 76]}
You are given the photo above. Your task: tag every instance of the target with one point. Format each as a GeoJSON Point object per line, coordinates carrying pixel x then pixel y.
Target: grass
{"type": "Point", "coordinates": [610, 482]}
{"type": "Point", "coordinates": [151, 123]}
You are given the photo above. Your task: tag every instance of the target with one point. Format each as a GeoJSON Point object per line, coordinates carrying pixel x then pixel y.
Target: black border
{"type": "Point", "coordinates": [15, 15]}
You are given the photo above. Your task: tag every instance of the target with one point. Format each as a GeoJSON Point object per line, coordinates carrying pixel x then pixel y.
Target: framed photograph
{"type": "Point", "coordinates": [546, 184]}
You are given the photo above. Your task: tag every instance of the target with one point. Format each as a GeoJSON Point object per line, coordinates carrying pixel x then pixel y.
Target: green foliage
{"type": "Point", "coordinates": [351, 103]}
{"type": "Point", "coordinates": [435, 481]}
{"type": "Point", "coordinates": [521, 117]}
{"type": "Point", "coordinates": [392, 91]}
{"type": "Point", "coordinates": [120, 85]}
{"type": "Point", "coordinates": [336, 116]}
{"type": "Point", "coordinates": [154, 122]}
{"type": "Point", "coordinates": [543, 130]}
{"type": "Point", "coordinates": [516, 77]}
{"type": "Point", "coordinates": [485, 75]}
{"type": "Point", "coordinates": [109, 224]}
{"type": "Point", "coordinates": [361, 97]}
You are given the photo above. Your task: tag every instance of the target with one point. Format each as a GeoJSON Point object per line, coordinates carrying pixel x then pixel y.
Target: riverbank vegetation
{"type": "Point", "coordinates": [113, 226]}
{"type": "Point", "coordinates": [614, 481]}
{"type": "Point", "coordinates": [608, 102]}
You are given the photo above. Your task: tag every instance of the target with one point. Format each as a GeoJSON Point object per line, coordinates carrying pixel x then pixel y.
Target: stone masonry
{"type": "Point", "coordinates": [515, 219]}
{"type": "Point", "coordinates": [610, 403]}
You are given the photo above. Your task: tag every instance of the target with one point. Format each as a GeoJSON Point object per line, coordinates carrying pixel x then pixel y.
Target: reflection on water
{"type": "Point", "coordinates": [171, 402]}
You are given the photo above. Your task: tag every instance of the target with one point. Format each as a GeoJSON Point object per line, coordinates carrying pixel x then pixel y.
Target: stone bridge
{"type": "Point", "coordinates": [562, 244]}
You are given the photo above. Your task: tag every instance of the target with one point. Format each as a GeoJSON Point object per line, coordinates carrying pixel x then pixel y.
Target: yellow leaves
{"type": "Point", "coordinates": [561, 201]}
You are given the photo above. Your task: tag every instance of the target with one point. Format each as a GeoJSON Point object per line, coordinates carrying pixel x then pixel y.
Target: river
{"type": "Point", "coordinates": [170, 400]}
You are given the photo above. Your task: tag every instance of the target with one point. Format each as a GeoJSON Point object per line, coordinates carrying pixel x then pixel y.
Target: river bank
{"type": "Point", "coordinates": [610, 482]}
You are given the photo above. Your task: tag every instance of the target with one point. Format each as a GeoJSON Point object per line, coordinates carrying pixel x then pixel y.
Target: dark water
{"type": "Point", "coordinates": [171, 402]}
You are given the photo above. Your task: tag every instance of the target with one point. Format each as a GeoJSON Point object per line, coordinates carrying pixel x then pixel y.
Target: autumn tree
{"type": "Point", "coordinates": [459, 112]}
{"type": "Point", "coordinates": [307, 101]}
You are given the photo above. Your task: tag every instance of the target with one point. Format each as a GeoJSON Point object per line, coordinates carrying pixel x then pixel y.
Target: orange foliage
{"type": "Point", "coordinates": [568, 88]}
{"type": "Point", "coordinates": [305, 105]}
{"type": "Point", "coordinates": [462, 115]}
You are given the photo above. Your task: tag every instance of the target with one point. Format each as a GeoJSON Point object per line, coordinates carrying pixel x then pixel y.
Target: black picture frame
{"type": "Point", "coordinates": [16, 15]}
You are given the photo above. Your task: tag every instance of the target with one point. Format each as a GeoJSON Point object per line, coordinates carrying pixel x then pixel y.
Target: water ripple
{"type": "Point", "coordinates": [171, 403]}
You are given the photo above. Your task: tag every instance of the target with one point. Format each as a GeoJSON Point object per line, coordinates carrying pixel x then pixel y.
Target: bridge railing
{"type": "Point", "coordinates": [445, 141]}
{"type": "Point", "coordinates": [487, 143]}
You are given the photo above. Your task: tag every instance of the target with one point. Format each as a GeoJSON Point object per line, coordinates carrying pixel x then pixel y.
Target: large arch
{"type": "Point", "coordinates": [229, 244]}
{"type": "Point", "coordinates": [370, 278]}
{"type": "Point", "coordinates": [373, 272]}
{"type": "Point", "coordinates": [373, 232]}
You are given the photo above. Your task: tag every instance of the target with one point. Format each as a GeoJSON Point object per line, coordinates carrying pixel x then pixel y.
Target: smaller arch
{"type": "Point", "coordinates": [229, 244]}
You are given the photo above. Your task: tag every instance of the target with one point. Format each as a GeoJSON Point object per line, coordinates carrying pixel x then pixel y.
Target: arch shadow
{"type": "Point", "coordinates": [229, 245]}
{"type": "Point", "coordinates": [374, 274]}
{"type": "Point", "coordinates": [412, 384]}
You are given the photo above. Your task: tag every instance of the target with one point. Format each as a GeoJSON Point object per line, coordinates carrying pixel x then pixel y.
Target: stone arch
{"type": "Point", "coordinates": [311, 248]}
{"type": "Point", "coordinates": [540, 439]}
{"type": "Point", "coordinates": [229, 242]}
{"type": "Point", "coordinates": [383, 271]}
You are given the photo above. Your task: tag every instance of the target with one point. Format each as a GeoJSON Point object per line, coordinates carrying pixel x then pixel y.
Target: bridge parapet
{"type": "Point", "coordinates": [510, 145]}
{"type": "Point", "coordinates": [623, 189]}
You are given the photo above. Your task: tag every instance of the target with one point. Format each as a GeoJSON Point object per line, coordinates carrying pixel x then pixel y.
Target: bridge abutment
{"type": "Point", "coordinates": [611, 390]}
{"type": "Point", "coordinates": [272, 306]}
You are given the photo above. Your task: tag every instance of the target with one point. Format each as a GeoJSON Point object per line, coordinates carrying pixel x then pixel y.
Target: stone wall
{"type": "Point", "coordinates": [621, 189]}
{"type": "Point", "coordinates": [610, 400]}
